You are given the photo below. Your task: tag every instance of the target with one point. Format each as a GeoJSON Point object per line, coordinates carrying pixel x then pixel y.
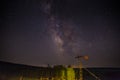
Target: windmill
{"type": "Point", "coordinates": [79, 58]}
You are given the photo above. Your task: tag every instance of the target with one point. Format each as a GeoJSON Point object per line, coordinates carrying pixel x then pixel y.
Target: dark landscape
{"type": "Point", "coordinates": [10, 71]}
{"type": "Point", "coordinates": [39, 39]}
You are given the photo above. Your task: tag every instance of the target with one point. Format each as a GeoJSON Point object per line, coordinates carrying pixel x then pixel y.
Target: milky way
{"type": "Point", "coordinates": [62, 31]}
{"type": "Point", "coordinates": [55, 31]}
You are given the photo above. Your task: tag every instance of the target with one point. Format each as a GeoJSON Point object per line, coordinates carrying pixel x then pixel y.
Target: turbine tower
{"type": "Point", "coordinates": [79, 58]}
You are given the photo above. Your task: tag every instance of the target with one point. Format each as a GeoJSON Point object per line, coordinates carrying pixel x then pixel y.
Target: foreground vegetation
{"type": "Point", "coordinates": [10, 71]}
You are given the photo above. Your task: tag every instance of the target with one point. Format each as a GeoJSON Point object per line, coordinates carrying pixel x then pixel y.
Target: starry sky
{"type": "Point", "coordinates": [40, 32]}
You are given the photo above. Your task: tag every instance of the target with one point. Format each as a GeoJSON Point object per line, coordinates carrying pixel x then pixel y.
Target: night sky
{"type": "Point", "coordinates": [41, 32]}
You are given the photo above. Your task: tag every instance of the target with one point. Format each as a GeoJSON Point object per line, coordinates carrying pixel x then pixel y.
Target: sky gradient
{"type": "Point", "coordinates": [40, 32]}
